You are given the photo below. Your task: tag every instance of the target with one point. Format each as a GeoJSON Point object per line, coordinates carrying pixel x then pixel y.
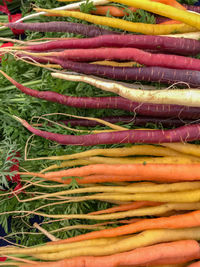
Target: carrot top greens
{"type": "Point", "coordinates": [13, 102]}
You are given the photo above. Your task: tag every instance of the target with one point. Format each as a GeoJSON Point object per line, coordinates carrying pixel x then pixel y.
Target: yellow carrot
{"type": "Point", "coordinates": [148, 211]}
{"type": "Point", "coordinates": [139, 150]}
{"type": "Point", "coordinates": [185, 148]}
{"type": "Point", "coordinates": [108, 160]}
{"type": "Point", "coordinates": [151, 29]}
{"type": "Point", "coordinates": [186, 17]}
{"type": "Point", "coordinates": [145, 238]}
{"type": "Point", "coordinates": [117, 64]}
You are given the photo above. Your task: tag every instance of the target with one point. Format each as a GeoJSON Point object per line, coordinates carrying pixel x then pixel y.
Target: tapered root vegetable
{"type": "Point", "coordinates": [138, 150]}
{"type": "Point", "coordinates": [61, 26]}
{"type": "Point", "coordinates": [144, 28]}
{"type": "Point", "coordinates": [147, 211]}
{"type": "Point", "coordinates": [185, 148]}
{"type": "Point", "coordinates": [146, 238]}
{"type": "Point", "coordinates": [184, 133]}
{"type": "Point", "coordinates": [184, 249]}
{"type": "Point", "coordinates": [188, 97]}
{"type": "Point", "coordinates": [113, 11]}
{"type": "Point", "coordinates": [154, 172]}
{"type": "Point", "coordinates": [61, 247]}
{"type": "Point", "coordinates": [182, 46]}
{"type": "Point", "coordinates": [191, 219]}
{"type": "Point", "coordinates": [108, 160]}
{"type": "Point", "coordinates": [165, 10]}
{"type": "Point", "coordinates": [175, 197]}
{"type": "Point", "coordinates": [127, 54]}
{"type": "Point", "coordinates": [124, 207]}
{"type": "Point", "coordinates": [195, 264]}
{"type": "Point", "coordinates": [135, 121]}
{"type": "Point", "coordinates": [159, 110]}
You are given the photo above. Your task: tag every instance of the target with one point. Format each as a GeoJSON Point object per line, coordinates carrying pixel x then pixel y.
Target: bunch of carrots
{"type": "Point", "coordinates": [158, 177]}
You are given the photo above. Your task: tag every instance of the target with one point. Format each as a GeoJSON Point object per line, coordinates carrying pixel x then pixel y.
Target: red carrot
{"type": "Point", "coordinates": [182, 134]}
{"type": "Point", "coordinates": [62, 26]}
{"type": "Point", "coordinates": [180, 46]}
{"type": "Point", "coordinates": [5, 45]}
{"type": "Point", "coordinates": [114, 102]}
{"type": "Point", "coordinates": [153, 74]}
{"type": "Point", "coordinates": [129, 54]}
{"type": "Point", "coordinates": [123, 207]}
{"type": "Point", "coordinates": [184, 249]}
{"type": "Point", "coordinates": [191, 219]}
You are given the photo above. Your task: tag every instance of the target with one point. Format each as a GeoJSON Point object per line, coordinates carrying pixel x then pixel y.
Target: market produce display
{"type": "Point", "coordinates": [100, 131]}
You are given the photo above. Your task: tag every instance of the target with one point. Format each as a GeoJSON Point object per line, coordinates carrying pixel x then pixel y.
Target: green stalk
{"type": "Point", "coordinates": [11, 87]}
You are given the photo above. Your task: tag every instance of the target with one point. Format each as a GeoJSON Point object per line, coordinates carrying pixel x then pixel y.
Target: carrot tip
{"type": "Point", "coordinates": [18, 119]}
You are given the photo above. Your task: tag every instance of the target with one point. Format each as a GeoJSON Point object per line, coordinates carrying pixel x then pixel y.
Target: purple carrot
{"type": "Point", "coordinates": [147, 74]}
{"type": "Point", "coordinates": [181, 134]}
{"type": "Point", "coordinates": [133, 120]}
{"type": "Point", "coordinates": [113, 102]}
{"type": "Point", "coordinates": [128, 54]}
{"type": "Point", "coordinates": [192, 8]}
{"type": "Point", "coordinates": [62, 26]}
{"type": "Point", "coordinates": [180, 46]}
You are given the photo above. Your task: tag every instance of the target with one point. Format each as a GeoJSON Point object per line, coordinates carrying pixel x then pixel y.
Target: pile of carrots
{"type": "Point", "coordinates": [158, 177]}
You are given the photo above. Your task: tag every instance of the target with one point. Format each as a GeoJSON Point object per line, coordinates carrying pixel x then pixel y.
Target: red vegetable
{"type": "Point", "coordinates": [129, 54]}
{"type": "Point", "coordinates": [182, 46]}
{"type": "Point", "coordinates": [113, 102]}
{"type": "Point", "coordinates": [182, 134]}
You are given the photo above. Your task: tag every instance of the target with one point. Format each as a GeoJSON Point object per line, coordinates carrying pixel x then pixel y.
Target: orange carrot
{"type": "Point", "coordinates": [173, 3]}
{"type": "Point", "coordinates": [170, 22]}
{"type": "Point", "coordinates": [113, 10]}
{"type": "Point", "coordinates": [131, 206]}
{"type": "Point", "coordinates": [184, 249]}
{"type": "Point", "coordinates": [191, 219]}
{"type": "Point", "coordinates": [195, 264]}
{"type": "Point", "coordinates": [154, 172]}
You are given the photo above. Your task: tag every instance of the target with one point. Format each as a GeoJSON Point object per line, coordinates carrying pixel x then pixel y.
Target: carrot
{"type": "Point", "coordinates": [187, 172]}
{"type": "Point", "coordinates": [124, 207]}
{"type": "Point", "coordinates": [61, 26]}
{"type": "Point", "coordinates": [173, 3]}
{"type": "Point", "coordinates": [121, 151]}
{"type": "Point", "coordinates": [108, 160]}
{"type": "Point", "coordinates": [113, 11]}
{"type": "Point", "coordinates": [117, 64]}
{"type": "Point", "coordinates": [145, 238]}
{"type": "Point", "coordinates": [174, 197]}
{"type": "Point", "coordinates": [174, 96]}
{"type": "Point", "coordinates": [165, 10]}
{"type": "Point", "coordinates": [190, 219]}
{"type": "Point", "coordinates": [151, 29]}
{"type": "Point", "coordinates": [195, 264]}
{"type": "Point", "coordinates": [182, 46]}
{"type": "Point", "coordinates": [181, 134]}
{"type": "Point", "coordinates": [160, 110]}
{"type": "Point", "coordinates": [126, 54]}
{"type": "Point", "coordinates": [170, 22]}
{"type": "Point", "coordinates": [185, 148]}
{"type": "Point", "coordinates": [135, 121]}
{"type": "Point", "coordinates": [184, 249]}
